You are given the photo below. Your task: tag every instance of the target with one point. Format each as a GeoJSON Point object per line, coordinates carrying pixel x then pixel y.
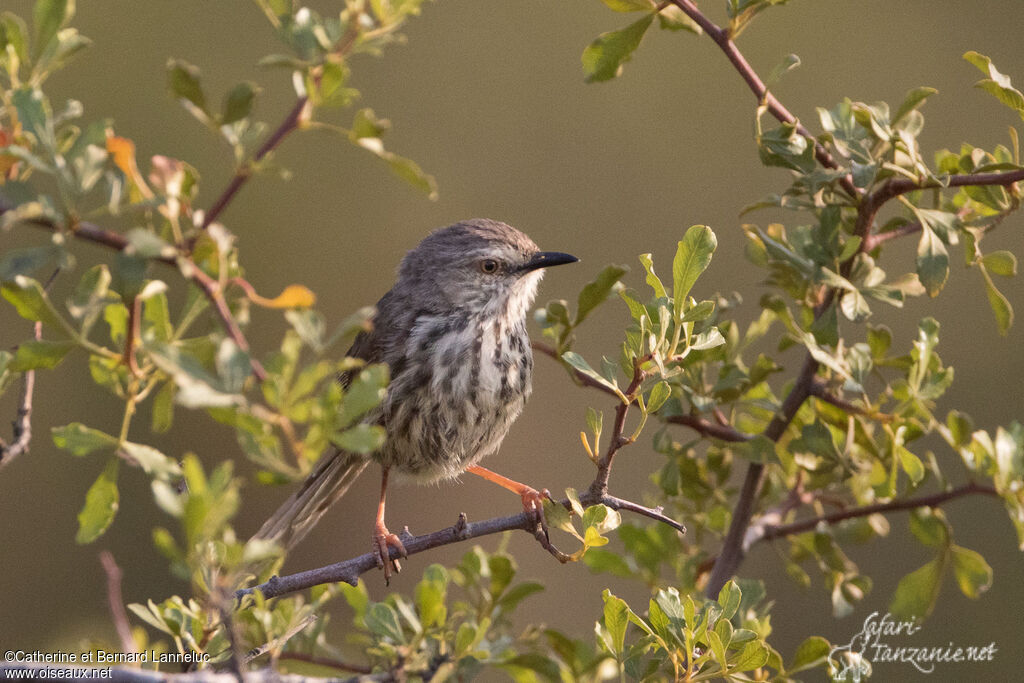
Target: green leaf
{"type": "Point", "coordinates": [659, 394]}
{"type": "Point", "coordinates": [932, 261]}
{"type": "Point", "coordinates": [596, 292]}
{"type": "Point", "coordinates": [603, 58]}
{"type": "Point", "coordinates": [671, 18]}
{"type": "Point", "coordinates": [50, 16]}
{"type": "Point", "coordinates": [1000, 306]}
{"type": "Point", "coordinates": [238, 103]}
{"type": "Point", "coordinates": [577, 362]}
{"type": "Point", "coordinates": [431, 592]}
{"type": "Point", "coordinates": [101, 503]}
{"type": "Point", "coordinates": [616, 619]}
{"type": "Point", "coordinates": [362, 438]}
{"type": "Point", "coordinates": [81, 440]}
{"type": "Point", "coordinates": [812, 653]}
{"type": "Point", "coordinates": [729, 598]}
{"type": "Point", "coordinates": [364, 393]}
{"type": "Point", "coordinates": [997, 84]}
{"type": "Point", "coordinates": [753, 655]}
{"type": "Point", "coordinates": [1000, 262]}
{"type": "Point", "coordinates": [39, 355]}
{"type": "Point", "coordinates": [31, 303]}
{"type": "Point", "coordinates": [693, 255]}
{"type": "Point", "coordinates": [152, 461]}
{"type": "Point", "coordinates": [929, 527]}
{"type": "Point", "coordinates": [916, 593]}
{"type": "Point", "coordinates": [708, 339]}
{"type": "Point", "coordinates": [25, 261]}
{"type": "Point", "coordinates": [652, 279]}
{"type": "Point", "coordinates": [788, 63]}
{"type": "Point", "coordinates": [382, 620]}
{"type": "Point", "coordinates": [911, 464]}
{"type": "Point", "coordinates": [14, 33]}
{"type": "Point", "coordinates": [912, 101]}
{"type": "Point", "coordinates": [90, 296]}
{"type": "Point", "coordinates": [972, 572]}
{"type": "Point", "coordinates": [630, 5]}
{"type": "Point", "coordinates": [183, 80]}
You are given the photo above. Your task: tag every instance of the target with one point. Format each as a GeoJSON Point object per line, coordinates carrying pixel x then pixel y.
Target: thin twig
{"type": "Point", "coordinates": [724, 41]}
{"type": "Point", "coordinates": [22, 425]}
{"type": "Point", "coordinates": [770, 532]}
{"type": "Point", "coordinates": [710, 429]}
{"type": "Point", "coordinates": [326, 662]}
{"type": "Point", "coordinates": [185, 265]}
{"type": "Point", "coordinates": [115, 602]}
{"type": "Point", "coordinates": [242, 175]}
{"type": "Point", "coordinates": [820, 391]}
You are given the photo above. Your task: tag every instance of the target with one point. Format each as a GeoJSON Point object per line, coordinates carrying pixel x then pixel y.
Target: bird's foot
{"type": "Point", "coordinates": [533, 505]}
{"type": "Point", "coordinates": [383, 542]}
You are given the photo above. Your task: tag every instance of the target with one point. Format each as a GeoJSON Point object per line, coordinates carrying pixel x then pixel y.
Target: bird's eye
{"type": "Point", "coordinates": [489, 266]}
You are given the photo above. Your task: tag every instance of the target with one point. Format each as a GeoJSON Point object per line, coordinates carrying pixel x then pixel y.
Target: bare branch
{"type": "Point", "coordinates": [115, 602]}
{"type": "Point", "coordinates": [22, 425]}
{"type": "Point", "coordinates": [350, 570]}
{"type": "Point", "coordinates": [710, 429]}
{"type": "Point", "coordinates": [770, 532]}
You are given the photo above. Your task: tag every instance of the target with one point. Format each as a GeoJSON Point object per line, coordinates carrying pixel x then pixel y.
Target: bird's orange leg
{"type": "Point", "coordinates": [384, 540]}
{"type": "Point", "coordinates": [533, 500]}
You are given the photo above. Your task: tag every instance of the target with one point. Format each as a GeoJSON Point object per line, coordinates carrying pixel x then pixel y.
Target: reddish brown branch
{"type": "Point", "coordinates": [290, 123]}
{"type": "Point", "coordinates": [724, 41]}
{"type": "Point", "coordinates": [599, 487]}
{"type": "Point", "coordinates": [209, 286]}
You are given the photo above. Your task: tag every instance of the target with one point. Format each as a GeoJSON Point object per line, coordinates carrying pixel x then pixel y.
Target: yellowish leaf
{"type": "Point", "coordinates": [122, 150]}
{"type": "Point", "coordinates": [293, 296]}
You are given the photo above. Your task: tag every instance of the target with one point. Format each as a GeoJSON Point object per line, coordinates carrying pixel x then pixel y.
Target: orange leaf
{"type": "Point", "coordinates": [293, 296]}
{"type": "Point", "coordinates": [123, 152]}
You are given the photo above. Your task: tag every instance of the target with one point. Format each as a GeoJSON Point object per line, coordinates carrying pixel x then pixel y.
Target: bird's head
{"type": "Point", "coordinates": [478, 265]}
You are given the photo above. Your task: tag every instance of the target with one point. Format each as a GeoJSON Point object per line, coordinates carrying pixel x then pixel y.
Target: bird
{"type": "Point", "coordinates": [452, 331]}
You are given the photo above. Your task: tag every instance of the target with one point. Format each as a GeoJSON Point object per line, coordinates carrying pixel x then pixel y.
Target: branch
{"type": "Point", "coordinates": [710, 429]}
{"type": "Point", "coordinates": [185, 265]}
{"type": "Point", "coordinates": [350, 570]}
{"type": "Point", "coordinates": [820, 391]}
{"type": "Point", "coordinates": [729, 559]}
{"type": "Point", "coordinates": [770, 532]}
{"type": "Point", "coordinates": [115, 602]}
{"type": "Point", "coordinates": [599, 487]}
{"type": "Point", "coordinates": [724, 41]}
{"type": "Point", "coordinates": [22, 425]}
{"type": "Point", "coordinates": [242, 175]}
{"type": "Point", "coordinates": [118, 674]}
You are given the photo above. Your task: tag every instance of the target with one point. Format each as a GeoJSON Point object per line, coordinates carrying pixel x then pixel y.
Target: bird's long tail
{"type": "Point", "coordinates": [299, 514]}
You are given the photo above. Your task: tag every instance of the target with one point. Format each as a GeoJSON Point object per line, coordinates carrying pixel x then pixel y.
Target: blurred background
{"type": "Point", "coordinates": [489, 97]}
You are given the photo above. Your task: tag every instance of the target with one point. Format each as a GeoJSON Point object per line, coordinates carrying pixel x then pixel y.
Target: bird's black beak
{"type": "Point", "coordinates": [546, 259]}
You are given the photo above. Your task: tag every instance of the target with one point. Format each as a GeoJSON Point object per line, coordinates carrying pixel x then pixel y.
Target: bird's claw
{"type": "Point", "coordinates": [383, 541]}
{"type": "Point", "coordinates": [533, 505]}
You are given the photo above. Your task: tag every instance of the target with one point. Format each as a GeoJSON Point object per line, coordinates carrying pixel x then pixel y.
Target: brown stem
{"type": "Point", "coordinates": [729, 559]}
{"type": "Point", "coordinates": [710, 429]}
{"type": "Point", "coordinates": [599, 487]}
{"type": "Point", "coordinates": [290, 123]}
{"type": "Point", "coordinates": [820, 391]}
{"type": "Point", "coordinates": [115, 601]}
{"type": "Point", "coordinates": [724, 41]}
{"type": "Point", "coordinates": [771, 532]}
{"type": "Point", "coordinates": [326, 662]}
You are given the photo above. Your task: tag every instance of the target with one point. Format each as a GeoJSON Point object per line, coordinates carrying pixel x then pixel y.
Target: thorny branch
{"type": "Point", "coordinates": [350, 570]}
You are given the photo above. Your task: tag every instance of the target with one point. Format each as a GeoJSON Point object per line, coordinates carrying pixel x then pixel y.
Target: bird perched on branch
{"type": "Point", "coordinates": [452, 330]}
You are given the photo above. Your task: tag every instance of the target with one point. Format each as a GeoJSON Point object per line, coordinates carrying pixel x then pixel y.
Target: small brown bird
{"type": "Point", "coordinates": [452, 330]}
